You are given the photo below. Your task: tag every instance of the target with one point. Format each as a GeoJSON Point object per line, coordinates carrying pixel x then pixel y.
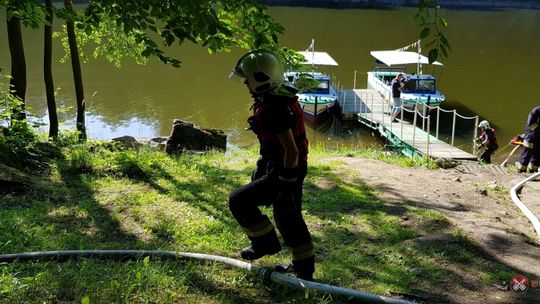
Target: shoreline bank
{"type": "Point", "coordinates": [451, 4]}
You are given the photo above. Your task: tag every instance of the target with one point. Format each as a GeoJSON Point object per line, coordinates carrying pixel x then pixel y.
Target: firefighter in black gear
{"type": "Point", "coordinates": [279, 125]}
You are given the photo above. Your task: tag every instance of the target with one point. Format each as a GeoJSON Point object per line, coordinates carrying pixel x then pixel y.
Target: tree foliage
{"type": "Point", "coordinates": [217, 25]}
{"type": "Point", "coordinates": [431, 23]}
{"type": "Point", "coordinates": [30, 12]}
{"type": "Point", "coordinates": [108, 40]}
{"type": "Point", "coordinates": [16, 137]}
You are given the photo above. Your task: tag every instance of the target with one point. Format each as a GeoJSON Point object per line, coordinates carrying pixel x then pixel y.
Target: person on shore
{"type": "Point", "coordinates": [278, 122]}
{"type": "Point", "coordinates": [530, 156]}
{"type": "Point", "coordinates": [488, 140]}
{"type": "Point", "coordinates": [397, 86]}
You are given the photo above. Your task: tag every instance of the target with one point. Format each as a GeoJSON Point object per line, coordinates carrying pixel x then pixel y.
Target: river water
{"type": "Point", "coordinates": [491, 71]}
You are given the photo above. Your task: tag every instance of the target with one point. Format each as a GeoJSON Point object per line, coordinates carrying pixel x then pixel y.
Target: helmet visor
{"type": "Point", "coordinates": [236, 77]}
{"type": "Point", "coordinates": [237, 73]}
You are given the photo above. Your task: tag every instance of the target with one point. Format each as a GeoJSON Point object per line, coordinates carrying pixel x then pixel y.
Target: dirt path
{"type": "Point", "coordinates": [474, 198]}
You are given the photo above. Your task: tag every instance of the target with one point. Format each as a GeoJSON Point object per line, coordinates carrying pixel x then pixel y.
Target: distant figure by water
{"type": "Point", "coordinates": [488, 140]}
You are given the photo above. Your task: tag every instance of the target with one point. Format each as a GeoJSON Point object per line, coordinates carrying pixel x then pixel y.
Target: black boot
{"type": "Point", "coordinates": [260, 246]}
{"type": "Point", "coordinates": [304, 269]}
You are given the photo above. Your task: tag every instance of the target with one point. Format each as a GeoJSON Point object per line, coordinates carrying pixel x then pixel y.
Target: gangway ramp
{"type": "Point", "coordinates": [369, 108]}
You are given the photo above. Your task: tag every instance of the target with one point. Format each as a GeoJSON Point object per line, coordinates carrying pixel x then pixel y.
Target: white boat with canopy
{"type": "Point", "coordinates": [419, 88]}
{"type": "Point", "coordinates": [316, 92]}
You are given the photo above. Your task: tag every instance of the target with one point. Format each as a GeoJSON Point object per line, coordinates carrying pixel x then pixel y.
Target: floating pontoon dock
{"type": "Point", "coordinates": [369, 108]}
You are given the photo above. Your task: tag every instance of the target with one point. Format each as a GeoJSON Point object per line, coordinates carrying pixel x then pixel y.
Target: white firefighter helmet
{"type": "Point", "coordinates": [484, 124]}
{"type": "Point", "coordinates": [261, 69]}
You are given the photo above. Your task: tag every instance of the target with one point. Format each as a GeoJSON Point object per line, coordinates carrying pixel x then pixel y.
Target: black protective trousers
{"type": "Point", "coordinates": [531, 155]}
{"type": "Point", "coordinates": [263, 190]}
{"type": "Point", "coordinates": [486, 155]}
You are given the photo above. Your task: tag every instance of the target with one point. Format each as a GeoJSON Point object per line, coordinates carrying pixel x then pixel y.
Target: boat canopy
{"type": "Point", "coordinates": [318, 58]}
{"type": "Point", "coordinates": [391, 58]}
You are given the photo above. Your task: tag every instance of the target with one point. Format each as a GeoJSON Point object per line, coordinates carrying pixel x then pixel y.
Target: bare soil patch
{"type": "Point", "coordinates": [475, 201]}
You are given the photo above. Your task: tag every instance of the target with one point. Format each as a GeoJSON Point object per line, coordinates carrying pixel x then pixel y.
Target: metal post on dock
{"type": "Point", "coordinates": [401, 121]}
{"type": "Point", "coordinates": [437, 127]}
{"type": "Point", "coordinates": [383, 110]}
{"type": "Point", "coordinates": [371, 107]}
{"type": "Point", "coordinates": [428, 129]}
{"type": "Point", "coordinates": [453, 127]}
{"type": "Point", "coordinates": [354, 89]}
{"type": "Point", "coordinates": [475, 132]}
{"type": "Point", "coordinates": [423, 117]}
{"type": "Point", "coordinates": [414, 129]}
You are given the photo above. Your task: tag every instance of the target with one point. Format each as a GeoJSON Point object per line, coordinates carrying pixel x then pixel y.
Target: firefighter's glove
{"type": "Point", "coordinates": [287, 179]}
{"type": "Point", "coordinates": [261, 169]}
{"type": "Point", "coordinates": [478, 143]}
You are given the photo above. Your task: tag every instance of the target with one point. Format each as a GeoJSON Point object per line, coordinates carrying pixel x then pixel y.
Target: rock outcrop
{"type": "Point", "coordinates": [187, 136]}
{"type": "Point", "coordinates": [134, 142]}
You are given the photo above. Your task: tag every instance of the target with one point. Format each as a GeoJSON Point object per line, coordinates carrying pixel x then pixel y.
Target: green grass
{"type": "Point", "coordinates": [388, 156]}
{"type": "Point", "coordinates": [99, 196]}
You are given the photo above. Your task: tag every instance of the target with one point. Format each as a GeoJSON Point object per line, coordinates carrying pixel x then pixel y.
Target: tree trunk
{"type": "Point", "coordinates": [18, 63]}
{"type": "Point", "coordinates": [47, 71]}
{"type": "Point", "coordinates": [77, 74]}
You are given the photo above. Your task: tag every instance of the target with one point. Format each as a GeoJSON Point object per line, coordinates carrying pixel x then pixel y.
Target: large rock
{"type": "Point", "coordinates": [137, 142]}
{"type": "Point", "coordinates": [186, 136]}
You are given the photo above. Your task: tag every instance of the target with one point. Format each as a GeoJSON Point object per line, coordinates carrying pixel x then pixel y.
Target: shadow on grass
{"type": "Point", "coordinates": [61, 215]}
{"type": "Point", "coordinates": [209, 193]}
{"type": "Point", "coordinates": [371, 242]}
{"type": "Point", "coordinates": [105, 229]}
{"type": "Point", "coordinates": [362, 242]}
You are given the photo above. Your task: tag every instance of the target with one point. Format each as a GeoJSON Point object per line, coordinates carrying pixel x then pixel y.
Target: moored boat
{"type": "Point", "coordinates": [419, 90]}
{"type": "Point", "coordinates": [317, 95]}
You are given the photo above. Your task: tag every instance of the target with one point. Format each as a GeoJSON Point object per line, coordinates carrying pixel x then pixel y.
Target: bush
{"type": "Point", "coordinates": [20, 147]}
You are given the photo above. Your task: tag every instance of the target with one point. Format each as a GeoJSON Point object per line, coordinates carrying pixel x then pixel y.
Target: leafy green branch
{"type": "Point", "coordinates": [109, 40]}
{"type": "Point", "coordinates": [217, 25]}
{"type": "Point", "coordinates": [432, 23]}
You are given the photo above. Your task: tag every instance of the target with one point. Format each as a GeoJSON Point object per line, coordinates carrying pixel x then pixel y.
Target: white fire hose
{"type": "Point", "coordinates": [515, 198]}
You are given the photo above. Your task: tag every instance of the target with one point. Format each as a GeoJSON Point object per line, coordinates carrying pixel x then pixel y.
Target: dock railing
{"type": "Point", "coordinates": [425, 116]}
{"type": "Point", "coordinates": [455, 115]}
{"type": "Point", "coordinates": [425, 127]}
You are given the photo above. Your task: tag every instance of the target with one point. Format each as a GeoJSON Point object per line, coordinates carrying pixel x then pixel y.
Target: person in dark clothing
{"type": "Point", "coordinates": [487, 139]}
{"type": "Point", "coordinates": [278, 178]}
{"type": "Point", "coordinates": [530, 156]}
{"type": "Point", "coordinates": [397, 86]}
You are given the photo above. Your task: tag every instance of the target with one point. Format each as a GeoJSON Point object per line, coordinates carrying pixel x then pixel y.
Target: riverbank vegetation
{"type": "Point", "coordinates": [143, 29]}
{"type": "Point", "coordinates": [99, 195]}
